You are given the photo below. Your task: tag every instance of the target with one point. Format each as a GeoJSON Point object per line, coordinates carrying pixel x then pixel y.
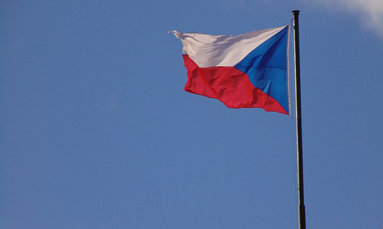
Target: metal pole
{"type": "Point", "coordinates": [301, 208]}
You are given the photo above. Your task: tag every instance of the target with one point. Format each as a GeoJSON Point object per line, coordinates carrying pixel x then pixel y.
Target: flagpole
{"type": "Point", "coordinates": [301, 207]}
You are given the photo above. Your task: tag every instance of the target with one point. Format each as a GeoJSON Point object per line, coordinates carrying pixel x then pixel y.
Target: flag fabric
{"type": "Point", "coordinates": [242, 71]}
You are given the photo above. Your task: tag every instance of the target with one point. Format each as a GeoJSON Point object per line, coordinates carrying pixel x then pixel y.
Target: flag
{"type": "Point", "coordinates": [242, 71]}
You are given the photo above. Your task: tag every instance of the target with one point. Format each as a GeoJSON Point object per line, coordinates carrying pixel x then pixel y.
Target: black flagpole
{"type": "Point", "coordinates": [301, 208]}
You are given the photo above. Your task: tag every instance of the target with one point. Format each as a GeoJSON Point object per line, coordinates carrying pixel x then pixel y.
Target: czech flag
{"type": "Point", "coordinates": [242, 71]}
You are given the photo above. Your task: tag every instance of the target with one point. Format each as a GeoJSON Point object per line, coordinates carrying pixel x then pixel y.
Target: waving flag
{"type": "Point", "coordinates": [242, 71]}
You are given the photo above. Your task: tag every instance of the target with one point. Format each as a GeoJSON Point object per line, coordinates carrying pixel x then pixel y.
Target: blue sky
{"type": "Point", "coordinates": [97, 132]}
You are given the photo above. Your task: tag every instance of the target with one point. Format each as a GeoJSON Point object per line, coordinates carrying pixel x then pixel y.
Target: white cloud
{"type": "Point", "coordinates": [370, 12]}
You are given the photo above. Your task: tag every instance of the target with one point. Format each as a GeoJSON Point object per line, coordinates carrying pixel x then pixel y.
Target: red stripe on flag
{"type": "Point", "coordinates": [228, 84]}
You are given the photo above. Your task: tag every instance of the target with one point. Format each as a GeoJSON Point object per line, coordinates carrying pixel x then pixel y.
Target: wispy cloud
{"type": "Point", "coordinates": [370, 12]}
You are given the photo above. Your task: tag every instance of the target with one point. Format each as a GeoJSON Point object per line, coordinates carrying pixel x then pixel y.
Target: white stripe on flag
{"type": "Point", "coordinates": [223, 50]}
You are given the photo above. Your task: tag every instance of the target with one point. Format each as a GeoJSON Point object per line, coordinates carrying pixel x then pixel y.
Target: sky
{"type": "Point", "coordinates": [97, 132]}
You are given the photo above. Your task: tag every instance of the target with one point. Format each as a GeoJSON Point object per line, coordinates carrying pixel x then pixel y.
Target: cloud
{"type": "Point", "coordinates": [370, 12]}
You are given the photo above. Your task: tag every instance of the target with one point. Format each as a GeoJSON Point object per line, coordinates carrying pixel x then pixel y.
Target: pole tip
{"type": "Point", "coordinates": [295, 12]}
